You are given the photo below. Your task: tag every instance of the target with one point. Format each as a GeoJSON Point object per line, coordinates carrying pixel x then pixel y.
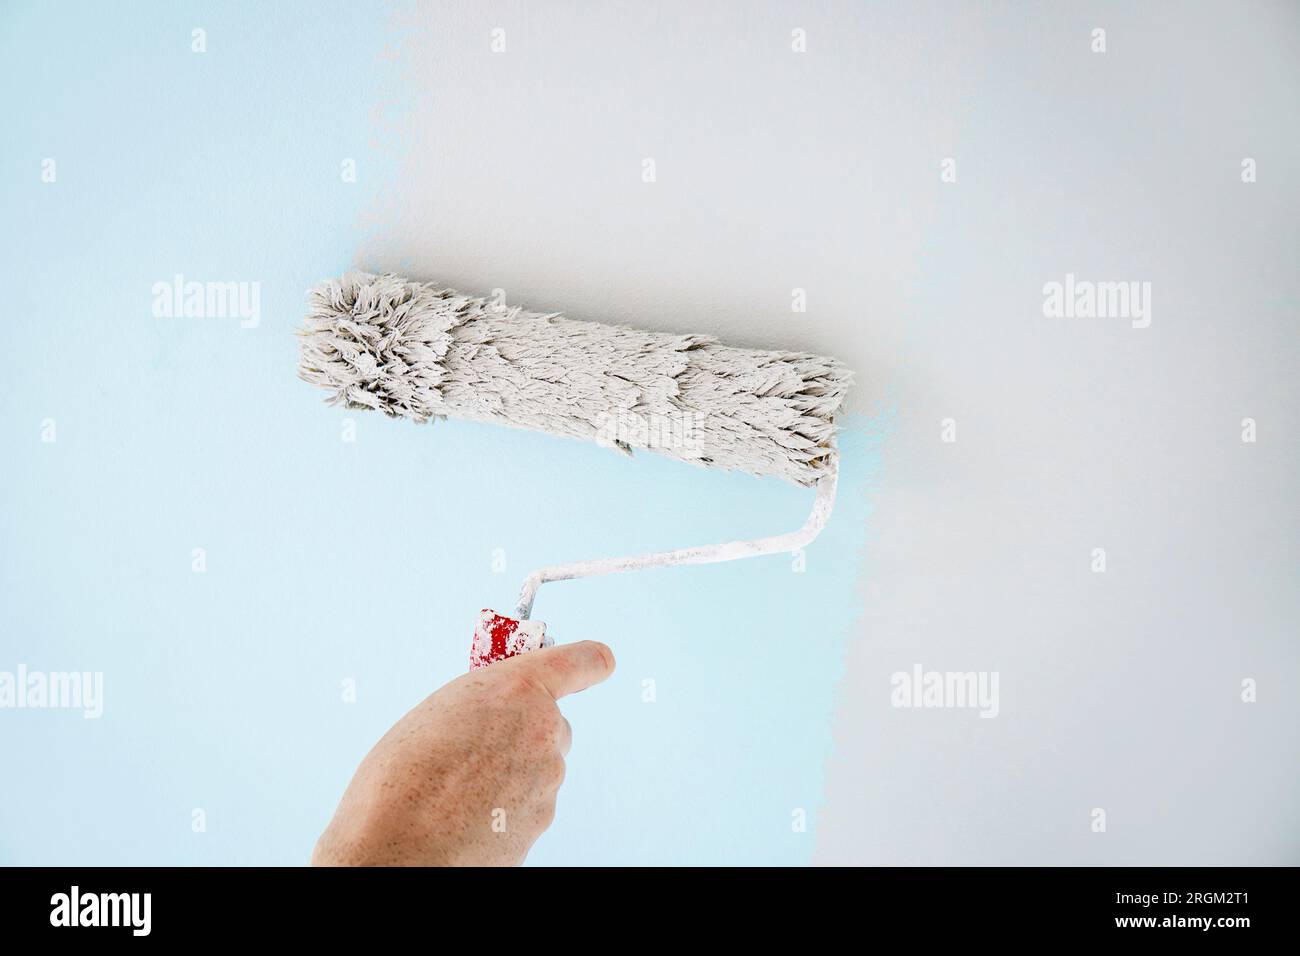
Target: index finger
{"type": "Point", "coordinates": [568, 668]}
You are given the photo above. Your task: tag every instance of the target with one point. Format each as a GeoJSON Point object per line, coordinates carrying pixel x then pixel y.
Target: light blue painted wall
{"type": "Point", "coordinates": [326, 560]}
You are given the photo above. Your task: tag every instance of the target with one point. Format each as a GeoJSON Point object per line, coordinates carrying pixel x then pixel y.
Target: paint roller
{"type": "Point", "coordinates": [420, 351]}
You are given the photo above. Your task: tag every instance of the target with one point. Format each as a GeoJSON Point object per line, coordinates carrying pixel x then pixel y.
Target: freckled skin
{"type": "Point", "coordinates": [491, 739]}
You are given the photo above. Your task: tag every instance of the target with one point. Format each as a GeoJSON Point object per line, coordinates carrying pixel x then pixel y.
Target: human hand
{"type": "Point", "coordinates": [469, 776]}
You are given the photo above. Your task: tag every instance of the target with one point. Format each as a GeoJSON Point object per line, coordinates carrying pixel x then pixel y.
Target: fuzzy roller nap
{"type": "Point", "coordinates": [424, 352]}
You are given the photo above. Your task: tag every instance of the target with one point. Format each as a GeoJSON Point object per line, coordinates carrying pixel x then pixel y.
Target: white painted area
{"type": "Point", "coordinates": [775, 171]}
{"type": "Point", "coordinates": [779, 174]}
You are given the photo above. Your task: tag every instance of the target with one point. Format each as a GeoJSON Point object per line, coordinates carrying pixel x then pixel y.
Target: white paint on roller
{"type": "Point", "coordinates": [424, 352]}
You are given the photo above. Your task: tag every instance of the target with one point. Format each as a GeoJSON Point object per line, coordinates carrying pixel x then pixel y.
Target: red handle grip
{"type": "Point", "coordinates": [497, 637]}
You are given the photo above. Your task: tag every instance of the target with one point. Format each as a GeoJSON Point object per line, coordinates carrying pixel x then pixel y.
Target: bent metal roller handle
{"type": "Point", "coordinates": [423, 352]}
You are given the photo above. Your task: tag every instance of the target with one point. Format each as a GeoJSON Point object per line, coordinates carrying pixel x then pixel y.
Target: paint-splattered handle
{"type": "Point", "coordinates": [497, 637]}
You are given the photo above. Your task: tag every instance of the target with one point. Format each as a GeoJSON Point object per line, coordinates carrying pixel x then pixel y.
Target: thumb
{"type": "Point", "coordinates": [567, 668]}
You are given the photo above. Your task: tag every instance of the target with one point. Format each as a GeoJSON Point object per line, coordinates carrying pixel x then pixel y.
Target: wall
{"type": "Point", "coordinates": [332, 561]}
